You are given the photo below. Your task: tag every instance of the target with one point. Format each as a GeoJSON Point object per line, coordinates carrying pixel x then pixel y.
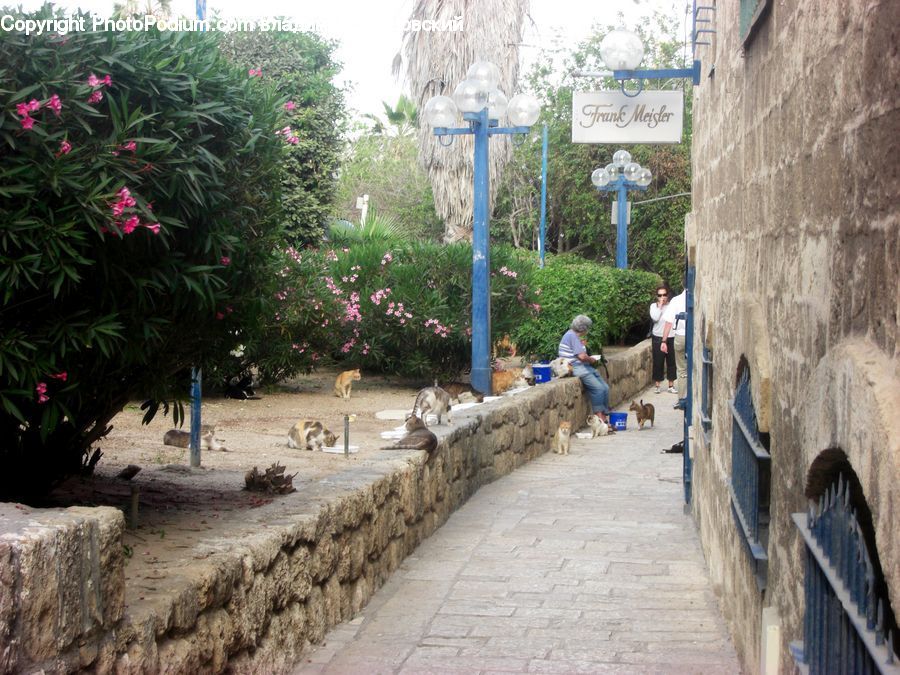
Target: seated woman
{"type": "Point", "coordinates": [572, 348]}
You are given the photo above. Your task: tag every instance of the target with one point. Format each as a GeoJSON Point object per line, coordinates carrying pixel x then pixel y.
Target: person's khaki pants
{"type": "Point", "coordinates": [681, 365]}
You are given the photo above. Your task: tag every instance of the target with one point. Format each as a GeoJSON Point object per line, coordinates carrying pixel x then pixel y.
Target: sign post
{"type": "Point", "coordinates": [611, 117]}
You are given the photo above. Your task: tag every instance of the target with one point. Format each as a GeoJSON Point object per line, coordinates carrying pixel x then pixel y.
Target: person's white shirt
{"type": "Point", "coordinates": [676, 306]}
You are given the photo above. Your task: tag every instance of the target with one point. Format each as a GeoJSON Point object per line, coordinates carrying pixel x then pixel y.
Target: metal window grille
{"type": "Point", "coordinates": [752, 12]}
{"type": "Point", "coordinates": [706, 400]}
{"type": "Point", "coordinates": [844, 624]}
{"type": "Point", "coordinates": [750, 470]}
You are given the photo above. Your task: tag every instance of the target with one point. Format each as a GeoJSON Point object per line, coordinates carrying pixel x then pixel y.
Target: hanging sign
{"type": "Point", "coordinates": [611, 117]}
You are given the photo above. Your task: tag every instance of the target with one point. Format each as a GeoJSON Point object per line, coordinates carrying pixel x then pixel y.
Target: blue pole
{"type": "Point", "coordinates": [481, 267]}
{"type": "Point", "coordinates": [622, 227]}
{"type": "Point", "coordinates": [201, 10]}
{"type": "Point", "coordinates": [196, 376]}
{"type": "Point", "coordinates": [541, 243]}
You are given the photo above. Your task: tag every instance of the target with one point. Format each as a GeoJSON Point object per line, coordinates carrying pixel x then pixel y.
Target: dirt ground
{"type": "Point", "coordinates": [182, 509]}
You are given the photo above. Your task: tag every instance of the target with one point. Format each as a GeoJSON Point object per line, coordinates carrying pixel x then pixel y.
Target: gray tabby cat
{"type": "Point", "coordinates": [418, 437]}
{"type": "Point", "coordinates": [434, 400]}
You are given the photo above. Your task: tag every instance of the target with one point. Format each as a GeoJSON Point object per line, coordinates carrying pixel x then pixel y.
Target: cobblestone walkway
{"type": "Point", "coordinates": [578, 564]}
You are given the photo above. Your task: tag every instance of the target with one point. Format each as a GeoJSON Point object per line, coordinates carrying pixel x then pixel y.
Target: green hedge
{"type": "Point", "coordinates": [616, 300]}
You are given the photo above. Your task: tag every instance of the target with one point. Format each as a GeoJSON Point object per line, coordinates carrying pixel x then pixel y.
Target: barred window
{"type": "Point", "coordinates": [750, 475]}
{"type": "Point", "coordinates": [706, 397]}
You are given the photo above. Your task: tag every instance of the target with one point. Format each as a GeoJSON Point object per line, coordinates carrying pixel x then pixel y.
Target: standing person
{"type": "Point", "coordinates": [661, 358]}
{"type": "Point", "coordinates": [572, 348]}
{"type": "Point", "coordinates": [678, 328]}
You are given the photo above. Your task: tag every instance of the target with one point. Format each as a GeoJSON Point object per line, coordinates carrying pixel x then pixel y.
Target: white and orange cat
{"type": "Point", "coordinates": [182, 439]}
{"type": "Point", "coordinates": [563, 438]}
{"type": "Point", "coordinates": [512, 378]}
{"type": "Point", "coordinates": [310, 435]}
{"type": "Point", "coordinates": [344, 383]}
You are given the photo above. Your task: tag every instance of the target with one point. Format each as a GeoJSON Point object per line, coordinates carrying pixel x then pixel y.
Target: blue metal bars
{"type": "Point", "coordinates": [844, 627]}
{"type": "Point", "coordinates": [687, 468]}
{"type": "Point", "coordinates": [750, 473]}
{"type": "Point", "coordinates": [196, 377]}
{"type": "Point", "coordinates": [621, 186]}
{"type": "Point", "coordinates": [482, 128]}
{"type": "Point", "coordinates": [543, 232]}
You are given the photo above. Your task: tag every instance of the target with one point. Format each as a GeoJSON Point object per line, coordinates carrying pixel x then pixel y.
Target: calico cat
{"type": "Point", "coordinates": [513, 378]}
{"type": "Point", "coordinates": [643, 412]}
{"type": "Point", "coordinates": [311, 435]}
{"type": "Point", "coordinates": [561, 440]}
{"type": "Point", "coordinates": [457, 389]}
{"type": "Point", "coordinates": [344, 383]}
{"type": "Point", "coordinates": [560, 367]}
{"type": "Point", "coordinates": [599, 427]}
{"type": "Point", "coordinates": [434, 400]}
{"type": "Point", "coordinates": [182, 439]}
{"type": "Point", "coordinates": [418, 437]}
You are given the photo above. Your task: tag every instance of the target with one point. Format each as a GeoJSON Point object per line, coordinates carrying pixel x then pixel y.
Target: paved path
{"type": "Point", "coordinates": [583, 564]}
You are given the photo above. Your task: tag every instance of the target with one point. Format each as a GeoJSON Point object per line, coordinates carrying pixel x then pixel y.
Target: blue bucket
{"type": "Point", "coordinates": [541, 372]}
{"type": "Point", "coordinates": [618, 420]}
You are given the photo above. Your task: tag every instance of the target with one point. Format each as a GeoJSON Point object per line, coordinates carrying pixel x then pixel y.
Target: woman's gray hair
{"type": "Point", "coordinates": [581, 324]}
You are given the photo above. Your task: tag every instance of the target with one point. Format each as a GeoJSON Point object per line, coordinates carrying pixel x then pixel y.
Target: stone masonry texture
{"type": "Point", "coordinates": [795, 236]}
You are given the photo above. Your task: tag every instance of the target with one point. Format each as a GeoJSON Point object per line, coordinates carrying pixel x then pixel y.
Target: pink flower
{"type": "Point", "coordinates": [131, 146]}
{"type": "Point", "coordinates": [96, 97]}
{"type": "Point", "coordinates": [254, 72]}
{"type": "Point", "coordinates": [131, 225]}
{"type": "Point", "coordinates": [290, 105]}
{"type": "Point", "coordinates": [93, 81]}
{"type": "Point", "coordinates": [154, 228]}
{"type": "Point", "coordinates": [41, 390]}
{"type": "Point", "coordinates": [27, 123]}
{"type": "Point", "coordinates": [34, 105]}
{"type": "Point", "coordinates": [54, 104]}
{"type": "Point", "coordinates": [107, 80]}
{"type": "Point", "coordinates": [61, 376]}
{"type": "Point", "coordinates": [64, 148]}
{"type": "Point", "coordinates": [22, 109]}
{"type": "Point", "coordinates": [219, 316]}
{"type": "Point", "coordinates": [293, 140]}
{"type": "Point", "coordinates": [225, 261]}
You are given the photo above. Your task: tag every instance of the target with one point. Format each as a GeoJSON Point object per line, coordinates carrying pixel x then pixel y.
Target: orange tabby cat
{"type": "Point", "coordinates": [344, 383]}
{"type": "Point", "coordinates": [513, 378]}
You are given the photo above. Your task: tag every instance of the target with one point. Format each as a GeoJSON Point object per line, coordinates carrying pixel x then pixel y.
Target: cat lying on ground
{"type": "Point", "coordinates": [241, 389]}
{"type": "Point", "coordinates": [182, 439]}
{"type": "Point", "coordinates": [311, 435]}
{"type": "Point", "coordinates": [418, 437]}
{"type": "Point", "coordinates": [513, 378]}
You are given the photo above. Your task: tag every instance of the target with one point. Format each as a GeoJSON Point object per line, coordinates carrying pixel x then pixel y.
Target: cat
{"type": "Point", "coordinates": [504, 346]}
{"type": "Point", "coordinates": [561, 367]}
{"type": "Point", "coordinates": [182, 439]}
{"type": "Point", "coordinates": [311, 435]}
{"type": "Point", "coordinates": [513, 378]}
{"type": "Point", "coordinates": [434, 400]}
{"type": "Point", "coordinates": [643, 412]}
{"type": "Point", "coordinates": [344, 383]}
{"type": "Point", "coordinates": [241, 389]}
{"type": "Point", "coordinates": [561, 440]}
{"type": "Point", "coordinates": [418, 437]}
{"type": "Point", "coordinates": [599, 427]}
{"type": "Point", "coordinates": [457, 389]}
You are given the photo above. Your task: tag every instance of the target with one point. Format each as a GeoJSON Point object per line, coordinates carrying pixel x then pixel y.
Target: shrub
{"type": "Point", "coordinates": [137, 220]}
{"type": "Point", "coordinates": [301, 66]}
{"type": "Point", "coordinates": [398, 308]}
{"type": "Point", "coordinates": [615, 299]}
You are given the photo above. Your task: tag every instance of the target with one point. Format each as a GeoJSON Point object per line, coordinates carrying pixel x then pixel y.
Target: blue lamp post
{"type": "Point", "coordinates": [482, 105]}
{"type": "Point", "coordinates": [620, 176]}
{"type": "Point", "coordinates": [622, 52]}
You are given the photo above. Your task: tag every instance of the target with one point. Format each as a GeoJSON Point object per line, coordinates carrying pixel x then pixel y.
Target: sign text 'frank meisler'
{"type": "Point", "coordinates": [611, 117]}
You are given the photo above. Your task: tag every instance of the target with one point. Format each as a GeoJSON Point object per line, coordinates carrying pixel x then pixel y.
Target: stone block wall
{"type": "Point", "coordinates": [255, 605]}
{"type": "Point", "coordinates": [795, 235]}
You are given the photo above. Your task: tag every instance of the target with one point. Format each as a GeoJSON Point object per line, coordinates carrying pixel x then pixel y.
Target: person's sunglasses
{"type": "Point", "coordinates": [661, 295]}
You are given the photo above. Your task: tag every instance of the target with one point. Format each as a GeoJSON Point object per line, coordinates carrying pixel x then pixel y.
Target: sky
{"type": "Point", "coordinates": [369, 31]}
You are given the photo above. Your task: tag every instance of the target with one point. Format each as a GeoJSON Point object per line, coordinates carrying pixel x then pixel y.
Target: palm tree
{"type": "Point", "coordinates": [436, 61]}
{"type": "Point", "coordinates": [403, 118]}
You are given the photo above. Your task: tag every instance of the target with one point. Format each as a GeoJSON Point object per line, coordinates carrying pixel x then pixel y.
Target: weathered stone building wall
{"type": "Point", "coordinates": [795, 235]}
{"type": "Point", "coordinates": [254, 606]}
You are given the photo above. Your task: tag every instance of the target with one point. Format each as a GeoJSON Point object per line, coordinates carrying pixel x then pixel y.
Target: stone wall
{"type": "Point", "coordinates": [795, 235]}
{"type": "Point", "coordinates": [256, 606]}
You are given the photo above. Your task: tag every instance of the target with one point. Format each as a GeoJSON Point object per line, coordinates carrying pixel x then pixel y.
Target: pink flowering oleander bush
{"type": "Point", "coordinates": [387, 307]}
{"type": "Point", "coordinates": [139, 208]}
{"type": "Point", "coordinates": [615, 300]}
